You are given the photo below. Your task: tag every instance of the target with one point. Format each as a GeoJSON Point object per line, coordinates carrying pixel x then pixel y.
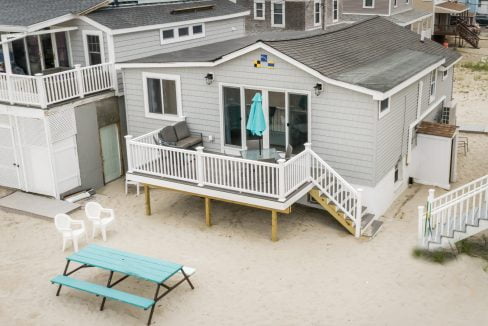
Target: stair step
{"type": "Point", "coordinates": [373, 229]}
{"type": "Point", "coordinates": [366, 220]}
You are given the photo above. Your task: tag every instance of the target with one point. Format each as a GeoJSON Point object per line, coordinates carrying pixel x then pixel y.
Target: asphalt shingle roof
{"type": "Point", "coordinates": [29, 12]}
{"type": "Point", "coordinates": [154, 14]}
{"type": "Point", "coordinates": [406, 17]}
{"type": "Point", "coordinates": [373, 45]}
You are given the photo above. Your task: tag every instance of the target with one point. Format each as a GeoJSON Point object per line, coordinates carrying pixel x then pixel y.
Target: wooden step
{"type": "Point", "coordinates": [331, 209]}
{"type": "Point", "coordinates": [372, 229]}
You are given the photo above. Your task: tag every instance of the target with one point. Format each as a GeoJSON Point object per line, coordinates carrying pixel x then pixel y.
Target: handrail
{"type": "Point", "coordinates": [458, 192]}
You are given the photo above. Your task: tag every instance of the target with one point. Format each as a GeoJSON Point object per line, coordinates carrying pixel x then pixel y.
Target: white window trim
{"type": "Point", "coordinates": [381, 114]}
{"type": "Point", "coordinates": [445, 74]}
{"type": "Point", "coordinates": [368, 7]}
{"type": "Point", "coordinates": [282, 13]}
{"type": "Point", "coordinates": [395, 3]}
{"type": "Point", "coordinates": [85, 33]}
{"type": "Point", "coordinates": [255, 10]}
{"type": "Point", "coordinates": [177, 38]}
{"type": "Point", "coordinates": [338, 13]}
{"type": "Point", "coordinates": [168, 117]}
{"type": "Point", "coordinates": [319, 23]}
{"type": "Point", "coordinates": [432, 96]}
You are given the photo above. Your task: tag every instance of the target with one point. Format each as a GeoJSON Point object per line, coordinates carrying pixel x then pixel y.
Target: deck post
{"type": "Point", "coordinates": [128, 139]}
{"type": "Point", "coordinates": [41, 90]}
{"type": "Point", "coordinates": [79, 79]}
{"type": "Point", "coordinates": [200, 169]}
{"type": "Point", "coordinates": [208, 211]}
{"type": "Point", "coordinates": [281, 180]}
{"type": "Point", "coordinates": [274, 225]}
{"type": "Point", "coordinates": [421, 215]}
{"type": "Point", "coordinates": [147, 195]}
{"type": "Point", "coordinates": [308, 164]}
{"type": "Point", "coordinates": [359, 213]}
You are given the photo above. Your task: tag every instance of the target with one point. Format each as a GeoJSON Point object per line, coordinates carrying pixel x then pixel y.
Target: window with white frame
{"type": "Point", "coordinates": [407, 1]}
{"type": "Point", "coordinates": [182, 33]}
{"type": "Point", "coordinates": [368, 3]}
{"type": "Point", "coordinates": [278, 13]}
{"type": "Point", "coordinates": [395, 3]}
{"type": "Point", "coordinates": [433, 85]}
{"type": "Point", "coordinates": [383, 107]}
{"type": "Point", "coordinates": [93, 46]}
{"type": "Point", "coordinates": [445, 73]}
{"type": "Point", "coordinates": [335, 10]}
{"type": "Point", "coordinates": [317, 12]}
{"type": "Point", "coordinates": [162, 96]}
{"type": "Point", "coordinates": [259, 9]}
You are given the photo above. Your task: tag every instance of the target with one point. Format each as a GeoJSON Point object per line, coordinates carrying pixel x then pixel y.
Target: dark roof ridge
{"type": "Point", "coordinates": [154, 4]}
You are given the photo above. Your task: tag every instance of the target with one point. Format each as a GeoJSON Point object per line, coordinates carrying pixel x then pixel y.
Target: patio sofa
{"type": "Point", "coordinates": [179, 135]}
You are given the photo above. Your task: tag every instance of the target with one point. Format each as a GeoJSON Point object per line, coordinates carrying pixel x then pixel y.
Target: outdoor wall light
{"type": "Point", "coordinates": [209, 78]}
{"type": "Point", "coordinates": [318, 89]}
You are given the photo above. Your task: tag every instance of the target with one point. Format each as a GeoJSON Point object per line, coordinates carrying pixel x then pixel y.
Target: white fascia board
{"type": "Point", "coordinates": [410, 81]}
{"type": "Point", "coordinates": [364, 14]}
{"type": "Point", "coordinates": [50, 22]}
{"type": "Point", "coordinates": [95, 24]}
{"type": "Point", "coordinates": [180, 23]}
{"type": "Point", "coordinates": [13, 29]}
{"type": "Point", "coordinates": [415, 20]}
{"type": "Point", "coordinates": [451, 65]}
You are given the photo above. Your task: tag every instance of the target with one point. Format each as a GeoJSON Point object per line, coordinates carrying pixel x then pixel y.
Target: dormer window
{"type": "Point", "coordinates": [182, 33]}
{"type": "Point", "coordinates": [368, 3]}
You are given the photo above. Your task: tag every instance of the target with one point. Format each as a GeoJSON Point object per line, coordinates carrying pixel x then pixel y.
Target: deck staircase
{"type": "Point", "coordinates": [465, 33]}
{"type": "Point", "coordinates": [454, 216]}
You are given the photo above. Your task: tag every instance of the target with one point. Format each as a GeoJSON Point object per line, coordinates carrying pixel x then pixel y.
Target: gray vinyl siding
{"type": "Point", "coordinates": [76, 39]}
{"type": "Point", "coordinates": [381, 7]}
{"type": "Point", "coordinates": [343, 121]}
{"type": "Point", "coordinates": [402, 6]}
{"type": "Point", "coordinates": [146, 43]}
{"type": "Point", "coordinates": [392, 130]}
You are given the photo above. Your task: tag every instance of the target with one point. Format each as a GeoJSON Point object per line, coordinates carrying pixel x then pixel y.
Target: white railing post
{"type": "Point", "coordinates": [79, 79]}
{"type": "Point", "coordinates": [430, 200]}
{"type": "Point", "coordinates": [281, 180]}
{"type": "Point", "coordinates": [308, 160]}
{"type": "Point", "coordinates": [128, 141]}
{"type": "Point", "coordinates": [421, 235]}
{"type": "Point", "coordinates": [10, 93]}
{"type": "Point", "coordinates": [200, 170]}
{"type": "Point", "coordinates": [359, 212]}
{"type": "Point", "coordinates": [41, 90]}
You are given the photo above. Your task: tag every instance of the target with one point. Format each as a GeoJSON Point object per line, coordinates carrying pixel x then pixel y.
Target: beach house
{"type": "Point", "coordinates": [62, 114]}
{"type": "Point", "coordinates": [364, 113]}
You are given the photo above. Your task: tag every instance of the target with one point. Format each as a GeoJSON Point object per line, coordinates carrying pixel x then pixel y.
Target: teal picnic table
{"type": "Point", "coordinates": [129, 265]}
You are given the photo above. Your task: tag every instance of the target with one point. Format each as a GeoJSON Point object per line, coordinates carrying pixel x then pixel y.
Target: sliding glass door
{"type": "Point", "coordinates": [277, 120]}
{"type": "Point", "coordinates": [232, 116]}
{"type": "Point", "coordinates": [252, 141]}
{"type": "Point", "coordinates": [297, 121]}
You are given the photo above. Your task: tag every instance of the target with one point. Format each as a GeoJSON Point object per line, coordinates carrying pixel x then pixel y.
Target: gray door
{"type": "Point", "coordinates": [109, 141]}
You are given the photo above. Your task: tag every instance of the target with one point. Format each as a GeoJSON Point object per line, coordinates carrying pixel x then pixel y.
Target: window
{"type": "Point", "coordinates": [162, 96]}
{"type": "Point", "coordinates": [182, 33]}
{"type": "Point", "coordinates": [407, 1]}
{"type": "Point", "coordinates": [278, 14]}
{"type": "Point", "coordinates": [335, 10]}
{"type": "Point", "coordinates": [395, 3]}
{"type": "Point", "coordinates": [259, 9]}
{"type": "Point", "coordinates": [433, 86]}
{"type": "Point", "coordinates": [94, 53]}
{"type": "Point", "coordinates": [397, 173]}
{"type": "Point", "coordinates": [383, 108]}
{"type": "Point", "coordinates": [445, 73]}
{"type": "Point", "coordinates": [369, 3]}
{"type": "Point", "coordinates": [317, 12]}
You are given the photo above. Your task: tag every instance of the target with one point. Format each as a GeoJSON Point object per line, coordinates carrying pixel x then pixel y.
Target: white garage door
{"type": "Point", "coordinates": [9, 165]}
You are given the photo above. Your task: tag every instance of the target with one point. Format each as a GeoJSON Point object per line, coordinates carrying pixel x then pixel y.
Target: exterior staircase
{"type": "Point", "coordinates": [454, 216]}
{"type": "Point", "coordinates": [467, 34]}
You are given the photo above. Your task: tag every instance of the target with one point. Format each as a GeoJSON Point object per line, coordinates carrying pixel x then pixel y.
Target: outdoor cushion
{"type": "Point", "coordinates": [168, 134]}
{"type": "Point", "coordinates": [181, 130]}
{"type": "Point", "coordinates": [189, 142]}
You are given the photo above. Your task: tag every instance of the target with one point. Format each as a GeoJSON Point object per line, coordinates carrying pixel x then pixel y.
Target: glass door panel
{"type": "Point", "coordinates": [277, 120]}
{"type": "Point", "coordinates": [19, 66]}
{"type": "Point", "coordinates": [252, 141]}
{"type": "Point", "coordinates": [47, 51]}
{"type": "Point", "coordinates": [62, 49]}
{"type": "Point", "coordinates": [232, 116]}
{"type": "Point", "coordinates": [34, 54]}
{"type": "Point", "coordinates": [298, 121]}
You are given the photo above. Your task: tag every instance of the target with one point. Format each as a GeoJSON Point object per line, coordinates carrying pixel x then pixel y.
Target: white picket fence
{"type": "Point", "coordinates": [43, 90]}
{"type": "Point", "coordinates": [452, 211]}
{"type": "Point", "coordinates": [272, 180]}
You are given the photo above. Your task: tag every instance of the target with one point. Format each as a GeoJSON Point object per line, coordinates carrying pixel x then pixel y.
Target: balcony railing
{"type": "Point", "coordinates": [43, 90]}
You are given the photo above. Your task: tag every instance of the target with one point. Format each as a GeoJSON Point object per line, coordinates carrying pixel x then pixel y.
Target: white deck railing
{"type": "Point", "coordinates": [272, 180]}
{"type": "Point", "coordinates": [43, 90]}
{"type": "Point", "coordinates": [452, 211]}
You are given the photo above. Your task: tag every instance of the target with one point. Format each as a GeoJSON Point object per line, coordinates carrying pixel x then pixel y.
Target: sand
{"type": "Point", "coordinates": [316, 274]}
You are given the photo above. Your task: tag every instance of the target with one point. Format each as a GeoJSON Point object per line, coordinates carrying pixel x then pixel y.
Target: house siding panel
{"type": "Point", "coordinates": [146, 43]}
{"type": "Point", "coordinates": [402, 6]}
{"type": "Point", "coordinates": [381, 7]}
{"type": "Point", "coordinates": [342, 130]}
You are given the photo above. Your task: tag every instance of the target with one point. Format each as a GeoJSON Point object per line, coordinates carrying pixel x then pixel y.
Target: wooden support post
{"type": "Point", "coordinates": [274, 226]}
{"type": "Point", "coordinates": [147, 195]}
{"type": "Point", "coordinates": [208, 211]}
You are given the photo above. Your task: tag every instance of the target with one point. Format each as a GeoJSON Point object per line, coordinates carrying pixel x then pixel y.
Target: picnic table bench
{"type": "Point", "coordinates": [116, 261]}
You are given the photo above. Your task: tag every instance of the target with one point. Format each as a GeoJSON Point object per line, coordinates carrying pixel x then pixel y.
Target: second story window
{"type": "Point", "coordinates": [317, 12]}
{"type": "Point", "coordinates": [433, 85]}
{"type": "Point", "coordinates": [93, 43]}
{"type": "Point", "coordinates": [162, 97]}
{"type": "Point", "coordinates": [335, 10]}
{"type": "Point", "coordinates": [369, 3]}
{"type": "Point", "coordinates": [182, 33]}
{"type": "Point", "coordinates": [259, 9]}
{"type": "Point", "coordinates": [278, 13]}
{"type": "Point", "coordinates": [395, 3]}
{"type": "Point", "coordinates": [383, 107]}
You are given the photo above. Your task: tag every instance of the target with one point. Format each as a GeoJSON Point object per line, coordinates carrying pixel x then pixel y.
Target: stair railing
{"type": "Point", "coordinates": [467, 34]}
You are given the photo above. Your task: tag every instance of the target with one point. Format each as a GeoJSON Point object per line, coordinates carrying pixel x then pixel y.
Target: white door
{"type": "Point", "coordinates": [9, 162]}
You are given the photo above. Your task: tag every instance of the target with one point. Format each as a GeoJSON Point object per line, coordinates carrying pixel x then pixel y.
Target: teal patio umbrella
{"type": "Point", "coordinates": [256, 122]}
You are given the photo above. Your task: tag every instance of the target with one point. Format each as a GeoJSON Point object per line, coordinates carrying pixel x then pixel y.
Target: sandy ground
{"type": "Point", "coordinates": [316, 274]}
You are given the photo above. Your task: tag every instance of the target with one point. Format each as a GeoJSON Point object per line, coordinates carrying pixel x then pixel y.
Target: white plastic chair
{"type": "Point", "coordinates": [94, 212]}
{"type": "Point", "coordinates": [64, 224]}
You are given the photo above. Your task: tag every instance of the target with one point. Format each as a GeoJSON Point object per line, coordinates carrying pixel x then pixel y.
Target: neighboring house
{"type": "Point", "coordinates": [451, 19]}
{"type": "Point", "coordinates": [359, 112]}
{"type": "Point", "coordinates": [298, 15]}
{"type": "Point", "coordinates": [62, 111]}
{"type": "Point", "coordinates": [482, 7]}
{"type": "Point", "coordinates": [400, 12]}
